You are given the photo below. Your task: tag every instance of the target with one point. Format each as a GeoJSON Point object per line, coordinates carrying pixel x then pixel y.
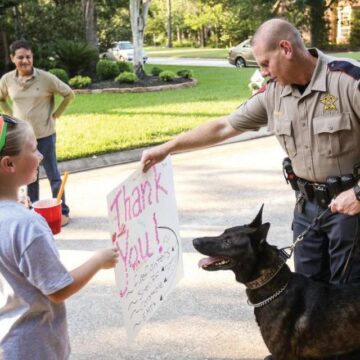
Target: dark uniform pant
{"type": "Point", "coordinates": [324, 251]}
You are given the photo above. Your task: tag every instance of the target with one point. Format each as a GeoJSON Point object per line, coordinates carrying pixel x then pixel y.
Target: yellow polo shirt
{"type": "Point", "coordinates": [34, 99]}
{"type": "Point", "coordinates": [319, 129]}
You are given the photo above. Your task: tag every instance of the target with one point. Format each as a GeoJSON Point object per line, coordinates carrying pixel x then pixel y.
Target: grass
{"type": "Point", "coordinates": [207, 53]}
{"type": "Point", "coordinates": [215, 53]}
{"type": "Point", "coordinates": [101, 123]}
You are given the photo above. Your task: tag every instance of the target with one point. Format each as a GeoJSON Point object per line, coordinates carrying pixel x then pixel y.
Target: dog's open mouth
{"type": "Point", "coordinates": [216, 263]}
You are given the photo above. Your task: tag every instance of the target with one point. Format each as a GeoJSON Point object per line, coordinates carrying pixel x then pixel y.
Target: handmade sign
{"type": "Point", "coordinates": [145, 230]}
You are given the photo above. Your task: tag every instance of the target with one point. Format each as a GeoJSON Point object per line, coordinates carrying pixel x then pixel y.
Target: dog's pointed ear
{"type": "Point", "coordinates": [261, 233]}
{"type": "Point", "coordinates": [264, 229]}
{"type": "Point", "coordinates": [256, 223]}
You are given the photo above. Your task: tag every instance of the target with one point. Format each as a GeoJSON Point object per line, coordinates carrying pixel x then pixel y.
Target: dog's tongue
{"type": "Point", "coordinates": [208, 261]}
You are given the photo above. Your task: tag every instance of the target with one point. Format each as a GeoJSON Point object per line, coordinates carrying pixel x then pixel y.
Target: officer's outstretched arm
{"type": "Point", "coordinates": [207, 134]}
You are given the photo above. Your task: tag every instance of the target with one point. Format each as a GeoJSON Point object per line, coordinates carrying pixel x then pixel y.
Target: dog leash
{"type": "Point", "coordinates": [288, 250]}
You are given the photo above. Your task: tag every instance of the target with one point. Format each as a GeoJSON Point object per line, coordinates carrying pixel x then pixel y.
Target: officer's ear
{"type": "Point", "coordinates": [286, 47]}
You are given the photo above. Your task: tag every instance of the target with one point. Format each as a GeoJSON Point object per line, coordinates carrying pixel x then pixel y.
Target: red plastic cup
{"type": "Point", "coordinates": [50, 210]}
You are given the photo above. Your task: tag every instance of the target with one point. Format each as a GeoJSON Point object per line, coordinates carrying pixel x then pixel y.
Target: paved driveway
{"type": "Point", "coordinates": [207, 316]}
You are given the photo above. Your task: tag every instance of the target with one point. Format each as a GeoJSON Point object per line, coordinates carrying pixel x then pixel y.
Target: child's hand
{"type": "Point", "coordinates": [107, 258]}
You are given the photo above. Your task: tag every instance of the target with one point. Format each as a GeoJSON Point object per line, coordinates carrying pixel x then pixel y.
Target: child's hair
{"type": "Point", "coordinates": [16, 136]}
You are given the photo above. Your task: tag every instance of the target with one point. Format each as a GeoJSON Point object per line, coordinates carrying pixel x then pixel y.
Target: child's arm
{"type": "Point", "coordinates": [103, 259]}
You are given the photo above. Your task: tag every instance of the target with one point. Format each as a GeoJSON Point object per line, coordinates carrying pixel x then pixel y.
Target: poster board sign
{"type": "Point", "coordinates": [145, 230]}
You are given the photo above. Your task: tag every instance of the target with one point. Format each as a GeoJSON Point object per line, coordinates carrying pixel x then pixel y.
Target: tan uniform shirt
{"type": "Point", "coordinates": [34, 99]}
{"type": "Point", "coordinates": [319, 129]}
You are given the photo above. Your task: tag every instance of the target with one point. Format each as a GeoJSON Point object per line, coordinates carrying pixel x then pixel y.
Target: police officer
{"type": "Point", "coordinates": [312, 104]}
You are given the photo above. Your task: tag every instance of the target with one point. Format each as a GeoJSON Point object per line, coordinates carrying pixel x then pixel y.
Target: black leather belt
{"type": "Point", "coordinates": [322, 193]}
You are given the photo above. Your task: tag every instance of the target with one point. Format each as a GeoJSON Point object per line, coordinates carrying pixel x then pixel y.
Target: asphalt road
{"type": "Point", "coordinates": [206, 316]}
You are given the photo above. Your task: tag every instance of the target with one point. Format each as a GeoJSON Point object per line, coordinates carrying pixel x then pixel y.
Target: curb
{"type": "Point", "coordinates": [127, 156]}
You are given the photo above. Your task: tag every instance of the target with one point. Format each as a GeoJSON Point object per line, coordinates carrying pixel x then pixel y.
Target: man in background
{"type": "Point", "coordinates": [32, 92]}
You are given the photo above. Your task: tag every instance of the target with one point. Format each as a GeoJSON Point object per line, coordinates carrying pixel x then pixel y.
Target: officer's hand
{"type": "Point", "coordinates": [153, 156]}
{"type": "Point", "coordinates": [346, 203]}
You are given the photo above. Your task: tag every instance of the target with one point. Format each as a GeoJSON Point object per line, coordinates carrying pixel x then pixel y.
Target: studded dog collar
{"type": "Point", "coordinates": [268, 274]}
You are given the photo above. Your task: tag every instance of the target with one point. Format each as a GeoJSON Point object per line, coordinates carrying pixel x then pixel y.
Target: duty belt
{"type": "Point", "coordinates": [322, 193]}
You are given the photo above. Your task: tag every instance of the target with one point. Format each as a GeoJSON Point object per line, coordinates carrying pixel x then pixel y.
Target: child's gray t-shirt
{"type": "Point", "coordinates": [31, 326]}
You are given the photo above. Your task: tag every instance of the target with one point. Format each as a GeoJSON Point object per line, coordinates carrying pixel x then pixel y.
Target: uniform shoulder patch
{"type": "Point", "coordinates": [345, 66]}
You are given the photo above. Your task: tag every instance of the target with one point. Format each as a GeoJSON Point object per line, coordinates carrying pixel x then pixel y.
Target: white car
{"type": "Point", "coordinates": [122, 51]}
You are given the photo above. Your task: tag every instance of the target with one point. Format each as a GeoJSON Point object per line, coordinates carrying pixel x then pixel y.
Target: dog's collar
{"type": "Point", "coordinates": [269, 299]}
{"type": "Point", "coordinates": [268, 274]}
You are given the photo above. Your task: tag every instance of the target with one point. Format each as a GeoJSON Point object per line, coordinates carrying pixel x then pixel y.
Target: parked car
{"type": "Point", "coordinates": [242, 55]}
{"type": "Point", "coordinates": [122, 51]}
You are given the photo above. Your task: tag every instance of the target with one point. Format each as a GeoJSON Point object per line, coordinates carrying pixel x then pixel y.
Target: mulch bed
{"type": "Point", "coordinates": [147, 82]}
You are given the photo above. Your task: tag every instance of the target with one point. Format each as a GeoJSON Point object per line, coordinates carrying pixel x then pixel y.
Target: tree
{"type": "Point", "coordinates": [355, 30]}
{"type": "Point", "coordinates": [90, 24]}
{"type": "Point", "coordinates": [169, 23]}
{"type": "Point", "coordinates": [138, 14]}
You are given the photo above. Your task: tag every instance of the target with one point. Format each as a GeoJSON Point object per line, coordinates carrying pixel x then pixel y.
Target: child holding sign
{"type": "Point", "coordinates": [33, 281]}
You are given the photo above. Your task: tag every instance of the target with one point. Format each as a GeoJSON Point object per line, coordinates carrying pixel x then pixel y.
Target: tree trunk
{"type": "Point", "coordinates": [169, 27]}
{"type": "Point", "coordinates": [89, 9]}
{"type": "Point", "coordinates": [318, 23]}
{"type": "Point", "coordinates": [90, 24]}
{"type": "Point", "coordinates": [5, 53]}
{"type": "Point", "coordinates": [138, 15]}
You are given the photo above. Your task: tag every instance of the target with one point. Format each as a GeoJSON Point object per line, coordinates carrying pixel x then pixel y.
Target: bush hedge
{"type": "Point", "coordinates": [185, 73]}
{"type": "Point", "coordinates": [80, 82]}
{"type": "Point", "coordinates": [60, 74]}
{"type": "Point", "coordinates": [107, 69]}
{"type": "Point", "coordinates": [156, 71]}
{"type": "Point", "coordinates": [127, 77]}
{"type": "Point", "coordinates": [124, 66]}
{"type": "Point", "coordinates": [167, 76]}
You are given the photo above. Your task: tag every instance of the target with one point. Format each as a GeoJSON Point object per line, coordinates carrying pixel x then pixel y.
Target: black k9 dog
{"type": "Point", "coordinates": [298, 317]}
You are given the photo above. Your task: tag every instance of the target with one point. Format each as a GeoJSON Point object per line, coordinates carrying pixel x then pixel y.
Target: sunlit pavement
{"type": "Point", "coordinates": [206, 316]}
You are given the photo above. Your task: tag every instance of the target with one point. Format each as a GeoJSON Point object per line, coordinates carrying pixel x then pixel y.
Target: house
{"type": "Point", "coordinates": [339, 16]}
{"type": "Point", "coordinates": [341, 21]}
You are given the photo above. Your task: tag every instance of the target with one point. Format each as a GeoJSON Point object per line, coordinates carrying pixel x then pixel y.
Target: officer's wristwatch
{"type": "Point", "coordinates": [357, 191]}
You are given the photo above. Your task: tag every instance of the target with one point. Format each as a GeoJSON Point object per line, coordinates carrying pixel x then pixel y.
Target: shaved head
{"type": "Point", "coordinates": [271, 32]}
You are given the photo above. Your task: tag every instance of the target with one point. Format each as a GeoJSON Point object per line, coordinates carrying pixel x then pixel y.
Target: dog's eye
{"type": "Point", "coordinates": [227, 242]}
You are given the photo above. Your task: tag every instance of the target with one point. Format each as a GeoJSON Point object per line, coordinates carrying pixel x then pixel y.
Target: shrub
{"type": "Point", "coordinates": [107, 69]}
{"type": "Point", "coordinates": [60, 74]}
{"type": "Point", "coordinates": [124, 66]}
{"type": "Point", "coordinates": [167, 76]}
{"type": "Point", "coordinates": [185, 73]}
{"type": "Point", "coordinates": [183, 43]}
{"type": "Point", "coordinates": [74, 56]}
{"type": "Point", "coordinates": [79, 82]}
{"type": "Point", "coordinates": [127, 77]}
{"type": "Point", "coordinates": [156, 71]}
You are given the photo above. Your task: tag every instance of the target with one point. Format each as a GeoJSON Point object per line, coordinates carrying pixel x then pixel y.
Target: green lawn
{"type": "Point", "coordinates": [206, 53]}
{"type": "Point", "coordinates": [214, 53]}
{"type": "Point", "coordinates": [101, 123]}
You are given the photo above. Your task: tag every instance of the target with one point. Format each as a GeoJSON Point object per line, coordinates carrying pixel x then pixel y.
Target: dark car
{"type": "Point", "coordinates": [242, 55]}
